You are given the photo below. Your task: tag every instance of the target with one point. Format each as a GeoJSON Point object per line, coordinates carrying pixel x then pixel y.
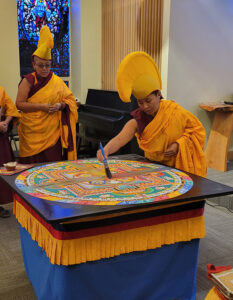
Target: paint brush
{"type": "Point", "coordinates": [106, 167]}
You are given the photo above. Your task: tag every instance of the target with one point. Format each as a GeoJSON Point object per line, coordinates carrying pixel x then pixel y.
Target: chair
{"type": "Point", "coordinates": [14, 140]}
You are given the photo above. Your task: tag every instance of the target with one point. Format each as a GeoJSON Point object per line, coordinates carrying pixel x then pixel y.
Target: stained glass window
{"type": "Point", "coordinates": [32, 15]}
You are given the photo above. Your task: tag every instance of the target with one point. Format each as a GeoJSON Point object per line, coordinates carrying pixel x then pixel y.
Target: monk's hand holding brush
{"type": "Point", "coordinates": [102, 157]}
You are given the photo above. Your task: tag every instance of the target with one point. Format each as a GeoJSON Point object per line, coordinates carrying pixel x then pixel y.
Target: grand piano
{"type": "Point", "coordinates": [100, 119]}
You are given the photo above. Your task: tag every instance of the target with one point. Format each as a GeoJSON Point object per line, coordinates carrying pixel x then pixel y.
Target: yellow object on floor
{"type": "Point", "coordinates": [214, 295]}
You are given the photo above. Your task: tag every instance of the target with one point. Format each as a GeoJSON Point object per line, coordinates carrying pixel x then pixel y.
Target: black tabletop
{"type": "Point", "coordinates": [56, 212]}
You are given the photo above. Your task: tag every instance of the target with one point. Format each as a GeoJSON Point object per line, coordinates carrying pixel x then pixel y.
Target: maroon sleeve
{"type": "Point", "coordinates": [30, 78]}
{"type": "Point", "coordinates": [142, 119]}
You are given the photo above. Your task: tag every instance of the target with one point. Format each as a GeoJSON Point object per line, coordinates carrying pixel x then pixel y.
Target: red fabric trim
{"type": "Point", "coordinates": [216, 269]}
{"type": "Point", "coordinates": [112, 228]}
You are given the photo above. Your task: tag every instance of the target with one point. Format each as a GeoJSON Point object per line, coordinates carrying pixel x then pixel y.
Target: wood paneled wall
{"type": "Point", "coordinates": [129, 25]}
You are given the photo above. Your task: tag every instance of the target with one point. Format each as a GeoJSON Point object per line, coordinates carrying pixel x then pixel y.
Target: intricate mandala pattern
{"type": "Point", "coordinates": [84, 182]}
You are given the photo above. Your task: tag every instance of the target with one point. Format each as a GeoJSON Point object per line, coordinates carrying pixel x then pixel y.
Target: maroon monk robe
{"type": "Point", "coordinates": [142, 119]}
{"type": "Point", "coordinates": [51, 154]}
{"type": "Point", "coordinates": [6, 155]}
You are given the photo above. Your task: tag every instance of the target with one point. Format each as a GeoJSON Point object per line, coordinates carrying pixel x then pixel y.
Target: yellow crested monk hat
{"type": "Point", "coordinates": [139, 75]}
{"type": "Point", "coordinates": [45, 44]}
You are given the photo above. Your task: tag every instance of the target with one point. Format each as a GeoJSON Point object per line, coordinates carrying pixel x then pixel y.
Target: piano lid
{"type": "Point", "coordinates": [102, 117]}
{"type": "Point", "coordinates": [109, 99]}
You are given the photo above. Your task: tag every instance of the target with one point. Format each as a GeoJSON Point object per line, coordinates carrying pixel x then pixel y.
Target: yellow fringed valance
{"type": "Point", "coordinates": [92, 248]}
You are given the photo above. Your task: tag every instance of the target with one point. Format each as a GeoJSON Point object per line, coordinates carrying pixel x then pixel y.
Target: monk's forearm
{"type": "Point", "coordinates": [32, 107]}
{"type": "Point", "coordinates": [8, 119]}
{"type": "Point", "coordinates": [125, 136]}
{"type": "Point", "coordinates": [112, 146]}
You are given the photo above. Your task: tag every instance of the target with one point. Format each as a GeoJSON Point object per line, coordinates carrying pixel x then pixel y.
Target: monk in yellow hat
{"type": "Point", "coordinates": [8, 112]}
{"type": "Point", "coordinates": [166, 132]}
{"type": "Point", "coordinates": [47, 130]}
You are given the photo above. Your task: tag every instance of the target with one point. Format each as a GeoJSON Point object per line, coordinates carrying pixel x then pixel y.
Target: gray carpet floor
{"type": "Point", "coordinates": [216, 248]}
{"type": "Point", "coordinates": [14, 284]}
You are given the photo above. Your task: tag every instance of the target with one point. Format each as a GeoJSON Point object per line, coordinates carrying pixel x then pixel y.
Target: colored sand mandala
{"type": "Point", "coordinates": [85, 182]}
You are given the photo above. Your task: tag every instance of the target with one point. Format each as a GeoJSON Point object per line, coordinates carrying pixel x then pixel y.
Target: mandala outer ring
{"type": "Point", "coordinates": [158, 185]}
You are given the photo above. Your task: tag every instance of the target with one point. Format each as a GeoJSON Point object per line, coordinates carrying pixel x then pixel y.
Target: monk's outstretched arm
{"type": "Point", "coordinates": [120, 140]}
{"type": "Point", "coordinates": [22, 99]}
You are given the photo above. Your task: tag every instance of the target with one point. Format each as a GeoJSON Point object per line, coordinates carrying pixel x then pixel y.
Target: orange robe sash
{"type": "Point", "coordinates": [8, 107]}
{"type": "Point", "coordinates": [173, 123]}
{"type": "Point", "coordinates": [40, 130]}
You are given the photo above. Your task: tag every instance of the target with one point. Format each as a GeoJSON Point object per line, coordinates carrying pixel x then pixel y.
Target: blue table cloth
{"type": "Point", "coordinates": [164, 273]}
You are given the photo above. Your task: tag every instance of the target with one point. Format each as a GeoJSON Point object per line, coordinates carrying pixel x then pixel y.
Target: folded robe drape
{"type": "Point", "coordinates": [172, 123]}
{"type": "Point", "coordinates": [40, 130]}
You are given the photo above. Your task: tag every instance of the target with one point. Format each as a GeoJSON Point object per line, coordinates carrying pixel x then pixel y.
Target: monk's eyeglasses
{"type": "Point", "coordinates": [46, 66]}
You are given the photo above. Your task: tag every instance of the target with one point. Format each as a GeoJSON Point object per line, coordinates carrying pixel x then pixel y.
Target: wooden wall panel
{"type": "Point", "coordinates": [129, 25]}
